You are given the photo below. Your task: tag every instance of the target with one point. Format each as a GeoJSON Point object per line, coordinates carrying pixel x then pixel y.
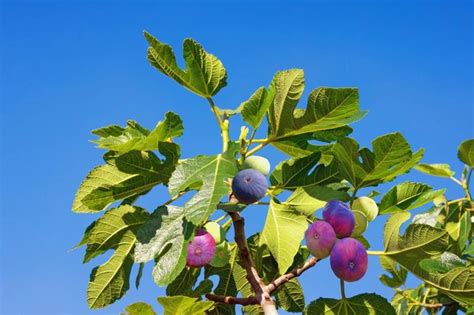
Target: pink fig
{"type": "Point", "coordinates": [200, 250]}
{"type": "Point", "coordinates": [320, 238]}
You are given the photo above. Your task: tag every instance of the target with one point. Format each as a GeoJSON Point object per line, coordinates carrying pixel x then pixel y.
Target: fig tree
{"type": "Point", "coordinates": [249, 186]}
{"type": "Point", "coordinates": [340, 217]}
{"type": "Point", "coordinates": [349, 259]}
{"type": "Point", "coordinates": [200, 250]}
{"type": "Point", "coordinates": [258, 163]}
{"type": "Point", "coordinates": [221, 255]}
{"type": "Point", "coordinates": [320, 238]}
{"type": "Point", "coordinates": [216, 231]}
{"type": "Point", "coordinates": [361, 223]}
{"type": "Point", "coordinates": [367, 206]}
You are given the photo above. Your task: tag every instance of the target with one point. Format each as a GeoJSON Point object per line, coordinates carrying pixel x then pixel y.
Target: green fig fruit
{"type": "Point", "coordinates": [258, 163]}
{"type": "Point", "coordinates": [221, 255]}
{"type": "Point", "coordinates": [361, 223]}
{"type": "Point", "coordinates": [216, 231]}
{"type": "Point", "coordinates": [367, 206]}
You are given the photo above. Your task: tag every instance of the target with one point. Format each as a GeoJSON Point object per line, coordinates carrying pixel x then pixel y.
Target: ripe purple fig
{"type": "Point", "coordinates": [340, 217]}
{"type": "Point", "coordinates": [320, 238]}
{"type": "Point", "coordinates": [249, 186]}
{"type": "Point", "coordinates": [349, 259]}
{"type": "Point", "coordinates": [200, 250]}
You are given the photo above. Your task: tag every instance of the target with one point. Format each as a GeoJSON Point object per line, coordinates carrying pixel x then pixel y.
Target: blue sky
{"type": "Point", "coordinates": [69, 67]}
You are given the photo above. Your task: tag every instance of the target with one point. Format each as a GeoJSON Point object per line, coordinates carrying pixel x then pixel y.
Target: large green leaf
{"type": "Point", "coordinates": [391, 157]}
{"type": "Point", "coordinates": [135, 137]}
{"type": "Point", "coordinates": [466, 152]}
{"type": "Point", "coordinates": [184, 282]}
{"type": "Point", "coordinates": [179, 305]}
{"type": "Point", "coordinates": [328, 108]}
{"type": "Point", "coordinates": [109, 229]}
{"type": "Point", "coordinates": [423, 241]}
{"type": "Point", "coordinates": [203, 75]}
{"type": "Point", "coordinates": [139, 308]}
{"type": "Point", "coordinates": [441, 170]}
{"type": "Point", "coordinates": [283, 232]}
{"type": "Point", "coordinates": [367, 303]}
{"type": "Point", "coordinates": [254, 109]}
{"type": "Point", "coordinates": [110, 281]}
{"type": "Point", "coordinates": [290, 296]}
{"type": "Point", "coordinates": [407, 196]}
{"type": "Point", "coordinates": [130, 174]}
{"type": "Point", "coordinates": [211, 171]}
{"type": "Point", "coordinates": [163, 237]}
{"type": "Point", "coordinates": [302, 172]}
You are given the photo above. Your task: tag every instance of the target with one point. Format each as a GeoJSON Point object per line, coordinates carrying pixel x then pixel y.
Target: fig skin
{"type": "Point", "coordinates": [216, 231]}
{"type": "Point", "coordinates": [340, 217]}
{"type": "Point", "coordinates": [361, 223]}
{"type": "Point", "coordinates": [366, 205]}
{"type": "Point", "coordinates": [349, 259]}
{"type": "Point", "coordinates": [258, 163]}
{"type": "Point", "coordinates": [249, 186]}
{"type": "Point", "coordinates": [201, 249]}
{"type": "Point", "coordinates": [320, 238]}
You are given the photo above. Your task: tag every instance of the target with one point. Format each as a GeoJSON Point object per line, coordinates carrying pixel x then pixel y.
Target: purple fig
{"type": "Point", "coordinates": [200, 250]}
{"type": "Point", "coordinates": [340, 217]}
{"type": "Point", "coordinates": [349, 259]}
{"type": "Point", "coordinates": [320, 238]}
{"type": "Point", "coordinates": [249, 186]}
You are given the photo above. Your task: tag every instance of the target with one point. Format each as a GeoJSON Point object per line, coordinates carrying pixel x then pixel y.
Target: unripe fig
{"type": "Point", "coordinates": [258, 163]}
{"type": "Point", "coordinates": [361, 223]}
{"type": "Point", "coordinates": [200, 250]}
{"type": "Point", "coordinates": [320, 238]}
{"type": "Point", "coordinates": [221, 256]}
{"type": "Point", "coordinates": [340, 217]}
{"type": "Point", "coordinates": [349, 259]}
{"type": "Point", "coordinates": [249, 186]}
{"type": "Point", "coordinates": [216, 231]}
{"type": "Point", "coordinates": [367, 206]}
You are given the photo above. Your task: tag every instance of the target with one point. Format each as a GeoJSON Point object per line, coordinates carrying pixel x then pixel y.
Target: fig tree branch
{"type": "Point", "coordinates": [232, 300]}
{"type": "Point", "coordinates": [261, 293]}
{"type": "Point", "coordinates": [275, 284]}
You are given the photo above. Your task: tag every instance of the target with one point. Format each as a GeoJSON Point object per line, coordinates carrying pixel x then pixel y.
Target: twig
{"type": "Point", "coordinates": [251, 300]}
{"type": "Point", "coordinates": [275, 284]}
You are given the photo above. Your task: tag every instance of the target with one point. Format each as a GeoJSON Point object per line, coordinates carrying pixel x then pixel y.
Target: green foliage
{"type": "Point", "coordinates": [204, 74]}
{"type": "Point", "coordinates": [322, 164]}
{"type": "Point", "coordinates": [210, 172]}
{"type": "Point", "coordinates": [407, 196]}
{"type": "Point", "coordinates": [174, 305]}
{"type": "Point", "coordinates": [368, 303]}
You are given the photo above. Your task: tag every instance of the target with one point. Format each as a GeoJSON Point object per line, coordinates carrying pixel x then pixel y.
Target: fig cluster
{"type": "Point", "coordinates": [332, 237]}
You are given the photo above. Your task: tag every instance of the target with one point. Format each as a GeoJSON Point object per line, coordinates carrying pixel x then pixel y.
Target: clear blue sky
{"type": "Point", "coordinates": [69, 67]}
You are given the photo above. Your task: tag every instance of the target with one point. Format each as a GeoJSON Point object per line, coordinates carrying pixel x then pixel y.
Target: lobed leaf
{"type": "Point", "coordinates": [290, 296]}
{"type": "Point", "coordinates": [391, 157]}
{"type": "Point", "coordinates": [254, 109]}
{"type": "Point", "coordinates": [328, 108]}
{"type": "Point", "coordinates": [139, 308]}
{"type": "Point", "coordinates": [211, 171]}
{"type": "Point", "coordinates": [203, 75]}
{"type": "Point", "coordinates": [128, 175]}
{"type": "Point", "coordinates": [135, 137]}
